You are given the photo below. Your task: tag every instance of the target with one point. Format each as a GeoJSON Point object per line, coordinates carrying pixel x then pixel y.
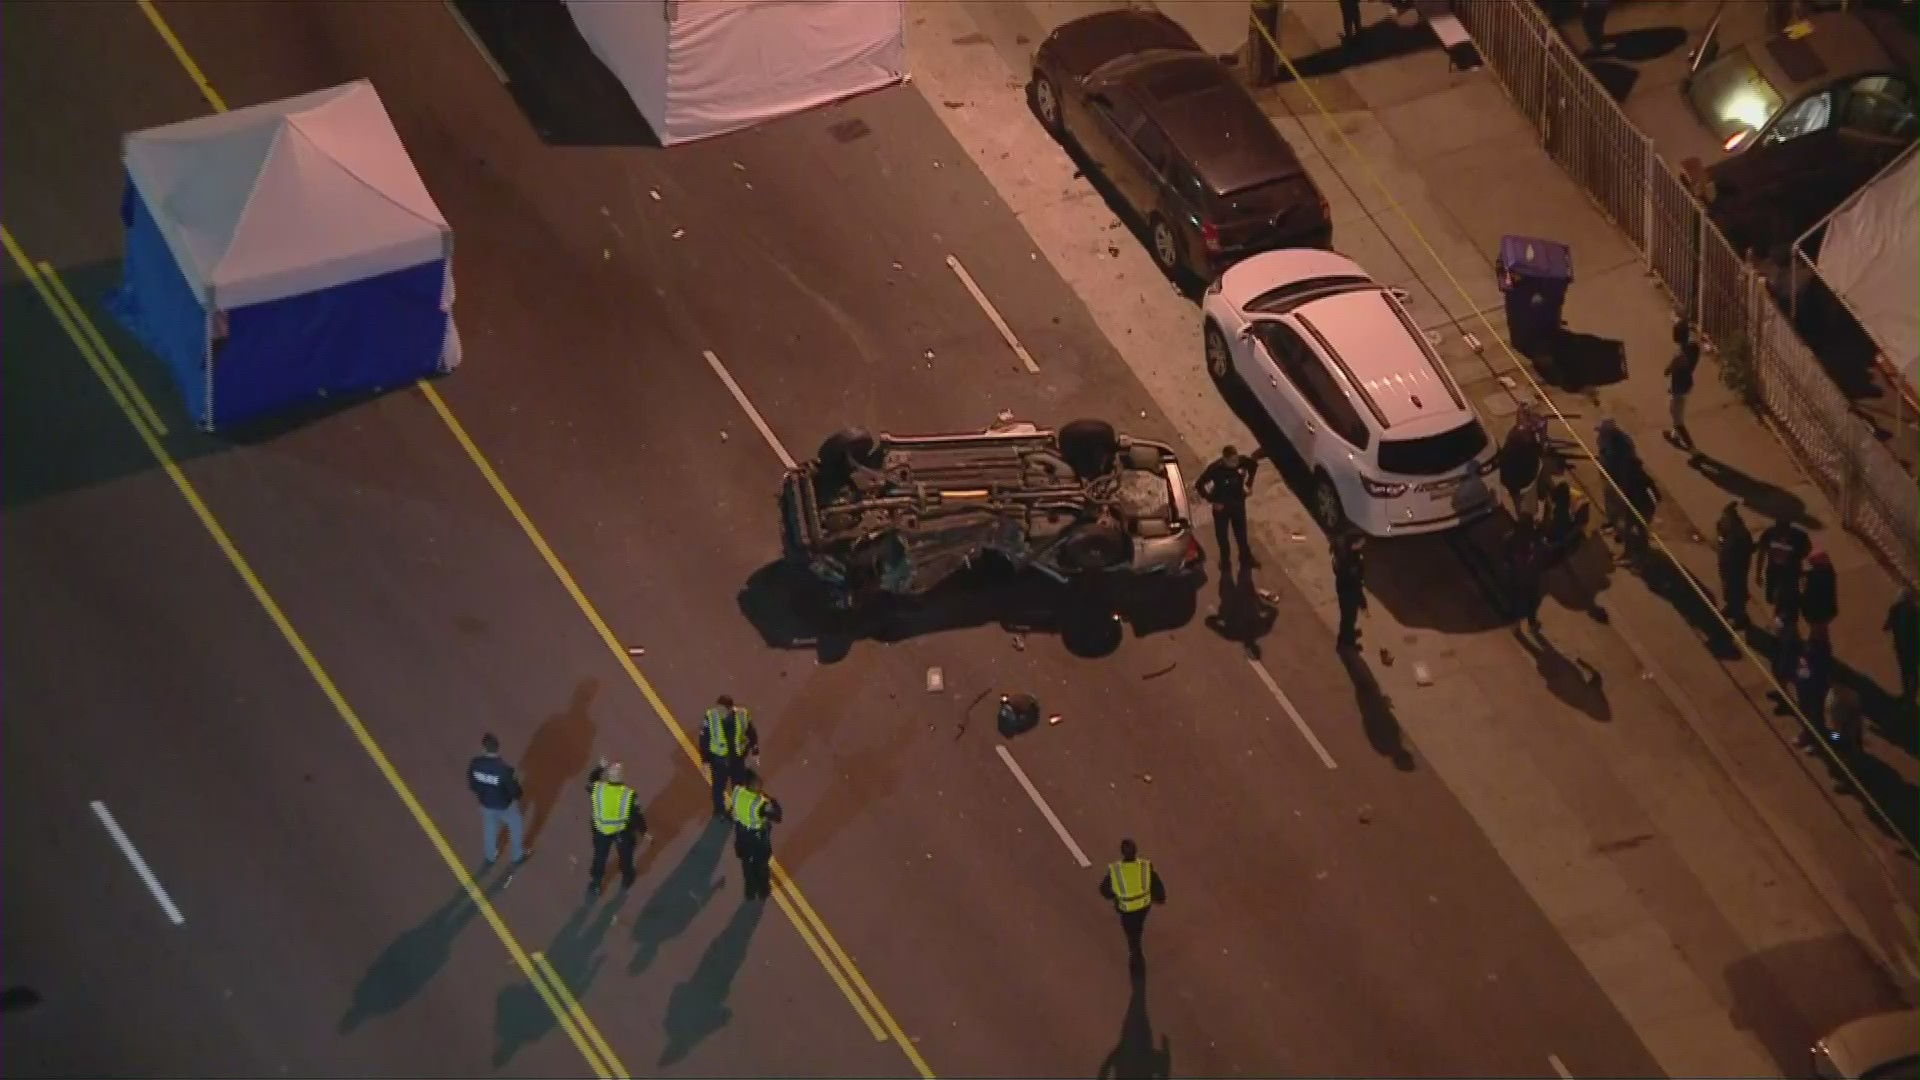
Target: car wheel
{"type": "Point", "coordinates": [1046, 103]}
{"type": "Point", "coordinates": [852, 447]}
{"type": "Point", "coordinates": [1166, 245]}
{"type": "Point", "coordinates": [1095, 546]}
{"type": "Point", "coordinates": [1219, 357]}
{"type": "Point", "coordinates": [1326, 504]}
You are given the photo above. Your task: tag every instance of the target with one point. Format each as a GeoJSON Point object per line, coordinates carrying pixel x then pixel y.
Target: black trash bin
{"type": "Point", "coordinates": [1534, 275]}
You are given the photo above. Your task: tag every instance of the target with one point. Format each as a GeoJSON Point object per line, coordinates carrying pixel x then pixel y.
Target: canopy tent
{"type": "Point", "coordinates": [284, 252]}
{"type": "Point", "coordinates": [699, 68]}
{"type": "Point", "coordinates": [1867, 260]}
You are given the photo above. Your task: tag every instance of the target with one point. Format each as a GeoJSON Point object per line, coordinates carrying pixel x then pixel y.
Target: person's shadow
{"type": "Point", "coordinates": [1376, 712]}
{"type": "Point", "coordinates": [522, 1016]}
{"type": "Point", "coordinates": [1244, 616]}
{"type": "Point", "coordinates": [698, 1007]}
{"type": "Point", "coordinates": [561, 750]}
{"type": "Point", "coordinates": [1573, 681]}
{"type": "Point", "coordinates": [411, 960]}
{"type": "Point", "coordinates": [1136, 1057]}
{"type": "Point", "coordinates": [680, 897]}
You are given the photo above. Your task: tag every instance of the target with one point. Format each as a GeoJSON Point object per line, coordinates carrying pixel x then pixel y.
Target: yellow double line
{"type": "Point", "coordinates": [146, 423]}
{"type": "Point", "coordinates": [806, 921]}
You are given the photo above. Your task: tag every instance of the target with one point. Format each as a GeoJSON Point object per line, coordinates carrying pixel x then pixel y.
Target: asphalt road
{"type": "Point", "coordinates": [1350, 921]}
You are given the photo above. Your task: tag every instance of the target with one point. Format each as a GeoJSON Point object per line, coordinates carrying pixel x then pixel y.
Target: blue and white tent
{"type": "Point", "coordinates": [284, 252]}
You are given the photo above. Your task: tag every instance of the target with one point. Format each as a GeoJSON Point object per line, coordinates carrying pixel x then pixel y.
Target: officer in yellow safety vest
{"type": "Point", "coordinates": [617, 822]}
{"type": "Point", "coordinates": [727, 740]}
{"type": "Point", "coordinates": [1133, 888]}
{"type": "Point", "coordinates": [754, 816]}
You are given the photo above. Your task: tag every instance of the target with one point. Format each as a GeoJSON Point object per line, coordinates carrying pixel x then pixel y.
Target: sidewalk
{"type": "Point", "coordinates": [1652, 853]}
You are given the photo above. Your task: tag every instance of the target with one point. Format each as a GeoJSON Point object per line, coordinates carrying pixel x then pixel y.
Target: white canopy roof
{"type": "Point", "coordinates": [288, 197]}
{"type": "Point", "coordinates": [1867, 259]}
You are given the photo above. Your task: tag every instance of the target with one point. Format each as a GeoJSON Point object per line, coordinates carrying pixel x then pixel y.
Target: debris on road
{"type": "Point", "coordinates": [897, 266]}
{"type": "Point", "coordinates": [1386, 657]}
{"type": "Point", "coordinates": [1145, 778]}
{"type": "Point", "coordinates": [723, 436]}
{"type": "Point", "coordinates": [606, 253]}
{"type": "Point", "coordinates": [678, 233]}
{"type": "Point", "coordinates": [929, 354]}
{"type": "Point", "coordinates": [1019, 643]}
{"type": "Point", "coordinates": [1113, 251]}
{"type": "Point", "coordinates": [739, 167]}
{"type": "Point", "coordinates": [1366, 813]}
{"type": "Point", "coordinates": [655, 194]}
{"type": "Point", "coordinates": [954, 104]}
{"type": "Point", "coordinates": [1298, 538]}
{"type": "Point", "coordinates": [1421, 675]}
{"type": "Point", "coordinates": [1162, 671]}
{"type": "Point", "coordinates": [936, 680]}
{"type": "Point", "coordinates": [1054, 719]}
{"type": "Point", "coordinates": [636, 650]}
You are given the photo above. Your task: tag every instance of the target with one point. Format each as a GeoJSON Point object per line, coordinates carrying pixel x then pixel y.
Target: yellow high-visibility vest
{"type": "Point", "coordinates": [612, 805]}
{"type": "Point", "coordinates": [722, 742]}
{"type": "Point", "coordinates": [1132, 884]}
{"type": "Point", "coordinates": [749, 808]}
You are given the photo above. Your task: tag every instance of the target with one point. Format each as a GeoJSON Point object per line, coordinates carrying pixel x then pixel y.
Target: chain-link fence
{"type": "Point", "coordinates": [1591, 138]}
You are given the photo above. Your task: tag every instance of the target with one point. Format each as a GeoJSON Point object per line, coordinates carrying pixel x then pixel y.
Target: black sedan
{"type": "Point", "coordinates": [1178, 140]}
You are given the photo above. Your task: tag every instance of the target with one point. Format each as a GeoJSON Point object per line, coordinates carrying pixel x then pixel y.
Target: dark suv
{"type": "Point", "coordinates": [1178, 139]}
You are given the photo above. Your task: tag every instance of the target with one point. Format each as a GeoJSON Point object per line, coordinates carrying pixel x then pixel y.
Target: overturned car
{"type": "Point", "coordinates": [894, 515]}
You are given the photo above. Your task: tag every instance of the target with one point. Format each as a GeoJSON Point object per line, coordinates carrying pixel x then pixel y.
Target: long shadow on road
{"type": "Point", "coordinates": [1377, 717]}
{"type": "Point", "coordinates": [561, 749]}
{"type": "Point", "coordinates": [697, 1008]}
{"type": "Point", "coordinates": [680, 897]}
{"type": "Point", "coordinates": [406, 966]}
{"type": "Point", "coordinates": [1135, 1057]}
{"type": "Point", "coordinates": [522, 1016]}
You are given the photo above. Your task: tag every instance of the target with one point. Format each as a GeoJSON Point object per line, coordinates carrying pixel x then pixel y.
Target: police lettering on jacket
{"type": "Point", "coordinates": [493, 782]}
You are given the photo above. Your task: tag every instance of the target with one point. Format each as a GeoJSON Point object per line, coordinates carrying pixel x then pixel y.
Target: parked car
{"type": "Point", "coordinates": [1178, 139]}
{"type": "Point", "coordinates": [1883, 1047]}
{"type": "Point", "coordinates": [1335, 362]}
{"type": "Point", "coordinates": [1765, 198]}
{"type": "Point", "coordinates": [1849, 69]}
{"type": "Point", "coordinates": [896, 515]}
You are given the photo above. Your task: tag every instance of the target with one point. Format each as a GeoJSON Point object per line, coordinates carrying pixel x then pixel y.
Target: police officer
{"type": "Point", "coordinates": [1349, 577]}
{"type": "Point", "coordinates": [727, 739]}
{"type": "Point", "coordinates": [1226, 484]}
{"type": "Point", "coordinates": [754, 816]}
{"type": "Point", "coordinates": [1133, 888]}
{"type": "Point", "coordinates": [497, 786]}
{"type": "Point", "coordinates": [1784, 548]}
{"type": "Point", "coordinates": [1736, 559]}
{"type": "Point", "coordinates": [617, 822]}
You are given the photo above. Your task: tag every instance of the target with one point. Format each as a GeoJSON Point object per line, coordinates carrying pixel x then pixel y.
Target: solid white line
{"type": "Point", "coordinates": [1045, 810]}
{"type": "Point", "coordinates": [1298, 720]}
{"type": "Point", "coordinates": [1554, 1060]}
{"type": "Point", "coordinates": [467, 29]}
{"type": "Point", "coordinates": [999, 323]}
{"type": "Point", "coordinates": [139, 864]}
{"type": "Point", "coordinates": [753, 414]}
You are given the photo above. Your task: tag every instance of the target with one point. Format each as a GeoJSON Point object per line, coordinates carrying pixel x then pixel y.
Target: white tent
{"type": "Point", "coordinates": [1867, 259]}
{"type": "Point", "coordinates": [699, 68]}
{"type": "Point", "coordinates": [293, 242]}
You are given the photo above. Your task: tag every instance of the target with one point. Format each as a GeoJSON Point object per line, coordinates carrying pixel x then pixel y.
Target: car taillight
{"type": "Point", "coordinates": [1210, 236]}
{"type": "Point", "coordinates": [1382, 490]}
{"type": "Point", "coordinates": [1734, 140]}
{"type": "Point", "coordinates": [1195, 553]}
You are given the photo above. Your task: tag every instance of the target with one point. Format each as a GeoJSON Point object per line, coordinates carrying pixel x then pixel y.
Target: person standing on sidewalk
{"type": "Point", "coordinates": [1900, 627]}
{"type": "Point", "coordinates": [1736, 561]}
{"type": "Point", "coordinates": [1133, 888]}
{"type": "Point", "coordinates": [1593, 20]}
{"type": "Point", "coordinates": [1812, 682]}
{"type": "Point", "coordinates": [1520, 461]}
{"type": "Point", "coordinates": [1783, 550]}
{"type": "Point", "coordinates": [1349, 586]}
{"type": "Point", "coordinates": [497, 786]}
{"type": "Point", "coordinates": [1226, 484]}
{"type": "Point", "coordinates": [1820, 596]}
{"type": "Point", "coordinates": [1350, 23]}
{"type": "Point", "coordinates": [1679, 385]}
{"type": "Point", "coordinates": [1526, 570]}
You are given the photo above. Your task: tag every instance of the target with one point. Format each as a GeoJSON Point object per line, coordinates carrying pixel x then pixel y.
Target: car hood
{"type": "Point", "coordinates": [1083, 45]}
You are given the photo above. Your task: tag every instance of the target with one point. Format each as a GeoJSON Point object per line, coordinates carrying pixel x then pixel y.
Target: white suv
{"type": "Point", "coordinates": [1334, 361]}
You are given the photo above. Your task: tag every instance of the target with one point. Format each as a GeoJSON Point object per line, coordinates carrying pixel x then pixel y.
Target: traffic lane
{"type": "Point", "coordinates": [64, 121]}
{"type": "Point", "coordinates": [141, 673]}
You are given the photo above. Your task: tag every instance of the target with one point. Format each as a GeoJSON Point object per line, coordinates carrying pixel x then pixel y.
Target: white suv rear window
{"type": "Point", "coordinates": [1434, 455]}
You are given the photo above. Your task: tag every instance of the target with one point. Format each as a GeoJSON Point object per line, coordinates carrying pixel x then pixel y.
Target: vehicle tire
{"type": "Point", "coordinates": [1045, 98]}
{"type": "Point", "coordinates": [1219, 357]}
{"type": "Point", "coordinates": [1089, 446]}
{"type": "Point", "coordinates": [1326, 504]}
{"type": "Point", "coordinates": [1097, 545]}
{"type": "Point", "coordinates": [850, 447]}
{"type": "Point", "coordinates": [1166, 247]}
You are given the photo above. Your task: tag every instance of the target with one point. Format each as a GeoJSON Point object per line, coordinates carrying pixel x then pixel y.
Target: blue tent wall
{"type": "Point", "coordinates": [157, 306]}
{"type": "Point", "coordinates": [375, 334]}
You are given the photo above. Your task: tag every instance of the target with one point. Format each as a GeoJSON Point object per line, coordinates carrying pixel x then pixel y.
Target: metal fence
{"type": "Point", "coordinates": [1591, 138]}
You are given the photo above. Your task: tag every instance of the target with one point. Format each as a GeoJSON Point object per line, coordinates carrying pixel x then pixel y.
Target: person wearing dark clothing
{"type": "Point", "coordinates": [1564, 521]}
{"type": "Point", "coordinates": [1813, 680]}
{"type": "Point", "coordinates": [727, 739]}
{"type": "Point", "coordinates": [1593, 20]}
{"type": "Point", "coordinates": [1526, 570]}
{"type": "Point", "coordinates": [1736, 561]}
{"type": "Point", "coordinates": [497, 786]}
{"type": "Point", "coordinates": [1520, 460]}
{"type": "Point", "coordinates": [1783, 549]}
{"type": "Point", "coordinates": [1133, 887]}
{"type": "Point", "coordinates": [1679, 385]}
{"type": "Point", "coordinates": [1620, 460]}
{"type": "Point", "coordinates": [1786, 653]}
{"type": "Point", "coordinates": [1226, 484]}
{"type": "Point", "coordinates": [1349, 581]}
{"type": "Point", "coordinates": [754, 816]}
{"type": "Point", "coordinates": [1350, 22]}
{"type": "Point", "coordinates": [1900, 626]}
{"type": "Point", "coordinates": [618, 822]}
{"type": "Point", "coordinates": [1819, 595]}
